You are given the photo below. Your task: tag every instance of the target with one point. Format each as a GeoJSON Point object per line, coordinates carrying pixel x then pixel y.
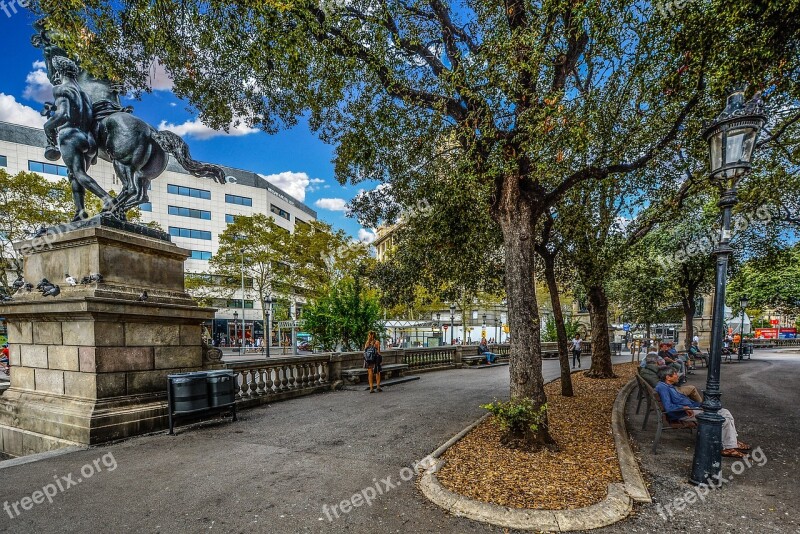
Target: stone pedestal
{"type": "Point", "coordinates": [90, 365]}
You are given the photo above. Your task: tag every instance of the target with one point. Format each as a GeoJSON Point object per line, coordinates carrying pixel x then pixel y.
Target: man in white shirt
{"type": "Point", "coordinates": [576, 350]}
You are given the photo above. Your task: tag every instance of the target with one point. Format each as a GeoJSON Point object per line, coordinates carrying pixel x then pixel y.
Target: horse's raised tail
{"type": "Point", "coordinates": [172, 143]}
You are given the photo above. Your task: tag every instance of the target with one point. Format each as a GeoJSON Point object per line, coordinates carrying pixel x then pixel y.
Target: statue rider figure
{"type": "Point", "coordinates": [70, 128]}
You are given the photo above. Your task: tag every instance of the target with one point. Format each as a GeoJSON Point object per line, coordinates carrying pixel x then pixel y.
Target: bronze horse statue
{"type": "Point", "coordinates": [138, 152]}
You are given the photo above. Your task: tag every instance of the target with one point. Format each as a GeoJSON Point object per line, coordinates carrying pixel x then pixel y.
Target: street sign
{"type": "Point", "coordinates": [290, 324]}
{"type": "Point", "coordinates": [626, 327]}
{"type": "Point", "coordinates": [774, 321]}
{"type": "Point", "coordinates": [446, 327]}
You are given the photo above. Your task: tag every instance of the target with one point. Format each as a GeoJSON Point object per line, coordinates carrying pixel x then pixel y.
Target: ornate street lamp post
{"type": "Point", "coordinates": [268, 300]}
{"type": "Point", "coordinates": [235, 327]}
{"type": "Point", "coordinates": [731, 138]}
{"type": "Point", "coordinates": [452, 317]}
{"type": "Point", "coordinates": [743, 301]}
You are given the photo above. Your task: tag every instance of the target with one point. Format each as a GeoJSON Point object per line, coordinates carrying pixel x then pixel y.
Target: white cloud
{"type": "Point", "coordinates": [38, 87]}
{"type": "Point", "coordinates": [198, 130]}
{"type": "Point", "coordinates": [332, 204]}
{"type": "Point", "coordinates": [294, 183]}
{"type": "Point", "coordinates": [366, 236]}
{"type": "Point", "coordinates": [16, 113]}
{"type": "Point", "coordinates": [158, 77]}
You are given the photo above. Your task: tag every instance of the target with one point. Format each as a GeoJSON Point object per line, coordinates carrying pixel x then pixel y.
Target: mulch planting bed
{"type": "Point", "coordinates": [578, 475]}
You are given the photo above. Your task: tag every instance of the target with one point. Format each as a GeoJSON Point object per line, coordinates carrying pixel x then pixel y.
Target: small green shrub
{"type": "Point", "coordinates": [517, 415]}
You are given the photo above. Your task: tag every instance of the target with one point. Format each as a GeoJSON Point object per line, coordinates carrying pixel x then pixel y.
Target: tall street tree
{"type": "Point", "coordinates": [534, 97]}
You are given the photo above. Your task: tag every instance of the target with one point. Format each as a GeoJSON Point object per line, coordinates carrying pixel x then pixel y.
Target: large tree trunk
{"type": "Point", "coordinates": [601, 345]}
{"type": "Point", "coordinates": [689, 310]}
{"type": "Point", "coordinates": [515, 215]}
{"type": "Point", "coordinates": [561, 331]}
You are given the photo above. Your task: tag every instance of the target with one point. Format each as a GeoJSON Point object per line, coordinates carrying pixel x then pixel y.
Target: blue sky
{"type": "Point", "coordinates": [294, 159]}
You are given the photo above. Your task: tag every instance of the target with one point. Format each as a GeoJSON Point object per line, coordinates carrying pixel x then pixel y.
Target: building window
{"type": "Point", "coordinates": [200, 255]}
{"type": "Point", "coordinates": [189, 212]}
{"type": "Point", "coordinates": [277, 211]}
{"type": "Point", "coordinates": [188, 191]}
{"type": "Point", "coordinates": [190, 233]}
{"type": "Point", "coordinates": [147, 206]}
{"type": "Point", "coordinates": [47, 168]}
{"type": "Point", "coordinates": [3, 161]}
{"type": "Point", "coordinates": [237, 304]}
{"type": "Point", "coordinates": [230, 218]}
{"type": "Point", "coordinates": [236, 199]}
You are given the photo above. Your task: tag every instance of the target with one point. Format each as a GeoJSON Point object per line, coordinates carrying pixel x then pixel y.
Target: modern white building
{"type": "Point", "coordinates": [195, 211]}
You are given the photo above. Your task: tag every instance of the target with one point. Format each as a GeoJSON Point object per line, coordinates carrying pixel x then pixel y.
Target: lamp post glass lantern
{"type": "Point", "coordinates": [731, 138]}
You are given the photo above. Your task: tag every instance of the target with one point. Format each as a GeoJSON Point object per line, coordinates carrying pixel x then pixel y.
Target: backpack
{"type": "Point", "coordinates": [370, 355]}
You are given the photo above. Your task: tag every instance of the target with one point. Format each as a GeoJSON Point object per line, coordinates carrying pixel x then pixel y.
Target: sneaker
{"type": "Point", "coordinates": [372, 391]}
{"type": "Point", "coordinates": [380, 388]}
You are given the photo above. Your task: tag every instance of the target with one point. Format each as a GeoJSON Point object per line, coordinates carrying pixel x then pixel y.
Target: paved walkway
{"type": "Point", "coordinates": [276, 469]}
{"type": "Point", "coordinates": [763, 394]}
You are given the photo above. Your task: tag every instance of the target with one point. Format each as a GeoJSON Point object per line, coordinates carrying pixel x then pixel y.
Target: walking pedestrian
{"type": "Point", "coordinates": [576, 351]}
{"type": "Point", "coordinates": [372, 361]}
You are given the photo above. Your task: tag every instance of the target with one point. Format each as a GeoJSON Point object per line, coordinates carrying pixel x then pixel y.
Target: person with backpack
{"type": "Point", "coordinates": [576, 350]}
{"type": "Point", "coordinates": [372, 361]}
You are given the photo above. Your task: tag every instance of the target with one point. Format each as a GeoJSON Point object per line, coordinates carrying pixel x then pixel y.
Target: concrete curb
{"type": "Point", "coordinates": [628, 466]}
{"type": "Point", "coordinates": [30, 458]}
{"type": "Point", "coordinates": [617, 505]}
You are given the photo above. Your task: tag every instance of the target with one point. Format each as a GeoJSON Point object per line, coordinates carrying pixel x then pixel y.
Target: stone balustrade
{"type": "Point", "coordinates": [280, 378]}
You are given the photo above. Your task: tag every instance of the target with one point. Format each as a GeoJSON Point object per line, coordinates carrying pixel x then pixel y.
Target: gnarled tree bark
{"type": "Point", "coordinates": [601, 345]}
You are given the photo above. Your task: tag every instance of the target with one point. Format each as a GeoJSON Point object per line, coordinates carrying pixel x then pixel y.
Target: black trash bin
{"type": "Point", "coordinates": [188, 392]}
{"type": "Point", "coordinates": [221, 388]}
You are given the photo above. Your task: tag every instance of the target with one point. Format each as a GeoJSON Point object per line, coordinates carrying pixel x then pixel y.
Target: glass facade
{"type": "Point", "coordinates": [200, 255]}
{"type": "Point", "coordinates": [188, 191]}
{"type": "Point", "coordinates": [281, 213]}
{"type": "Point", "coordinates": [236, 199]}
{"type": "Point", "coordinates": [3, 161]}
{"type": "Point", "coordinates": [174, 231]}
{"type": "Point", "coordinates": [147, 206]}
{"type": "Point", "coordinates": [189, 212]}
{"type": "Point", "coordinates": [47, 168]}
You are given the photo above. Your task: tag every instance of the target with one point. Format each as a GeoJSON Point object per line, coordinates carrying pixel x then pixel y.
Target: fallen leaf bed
{"type": "Point", "coordinates": [576, 476]}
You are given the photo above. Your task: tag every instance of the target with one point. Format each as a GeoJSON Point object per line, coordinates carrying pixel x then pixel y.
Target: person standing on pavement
{"type": "Point", "coordinates": [576, 351]}
{"type": "Point", "coordinates": [372, 361]}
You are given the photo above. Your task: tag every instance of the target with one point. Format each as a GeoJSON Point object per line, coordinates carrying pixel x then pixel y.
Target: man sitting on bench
{"type": "Point", "coordinates": [483, 348]}
{"type": "Point", "coordinates": [653, 363]}
{"type": "Point", "coordinates": [679, 407]}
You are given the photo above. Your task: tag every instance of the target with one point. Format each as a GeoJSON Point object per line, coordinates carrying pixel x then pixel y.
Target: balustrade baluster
{"type": "Point", "coordinates": [285, 379]}
{"type": "Point", "coordinates": [268, 381]}
{"type": "Point", "coordinates": [237, 387]}
{"type": "Point", "coordinates": [323, 366]}
{"type": "Point", "coordinates": [317, 374]}
{"type": "Point", "coordinates": [293, 377]}
{"type": "Point", "coordinates": [260, 383]}
{"type": "Point", "coordinates": [307, 375]}
{"type": "Point", "coordinates": [253, 383]}
{"type": "Point", "coordinates": [244, 387]}
{"type": "Point", "coordinates": [301, 376]}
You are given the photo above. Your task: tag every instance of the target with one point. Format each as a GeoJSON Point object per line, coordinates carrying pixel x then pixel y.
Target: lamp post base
{"type": "Point", "coordinates": [707, 462]}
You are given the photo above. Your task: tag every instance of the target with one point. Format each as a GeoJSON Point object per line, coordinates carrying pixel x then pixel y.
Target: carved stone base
{"type": "Point", "coordinates": [90, 365]}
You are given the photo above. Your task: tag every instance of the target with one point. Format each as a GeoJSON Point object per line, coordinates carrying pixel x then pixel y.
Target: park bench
{"type": "Point", "coordinates": [646, 392]}
{"type": "Point", "coordinates": [357, 374]}
{"type": "Point", "coordinates": [475, 359]}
